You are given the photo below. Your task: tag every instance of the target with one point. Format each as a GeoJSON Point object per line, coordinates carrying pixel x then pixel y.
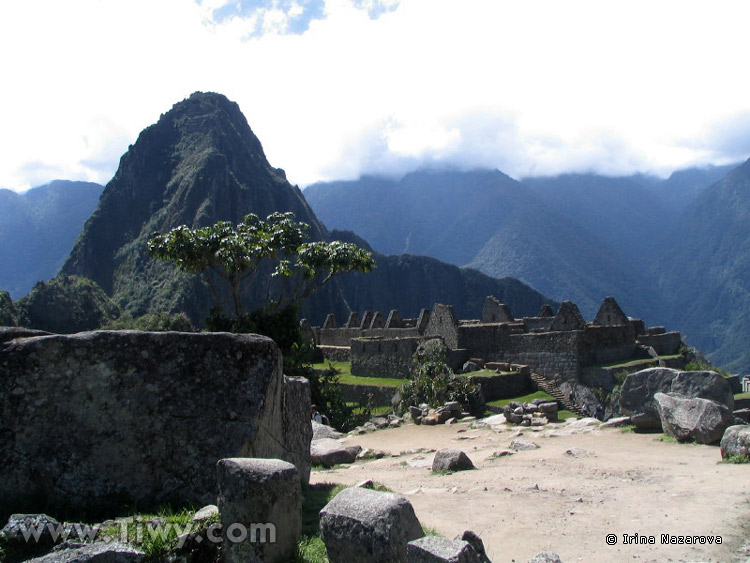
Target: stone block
{"type": "Point", "coordinates": [368, 526]}
{"type": "Point", "coordinates": [260, 502]}
{"type": "Point", "coordinates": [434, 549]}
{"type": "Point", "coordinates": [145, 416]}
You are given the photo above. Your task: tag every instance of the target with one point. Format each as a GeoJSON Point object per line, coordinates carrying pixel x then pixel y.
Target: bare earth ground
{"type": "Point", "coordinates": [547, 499]}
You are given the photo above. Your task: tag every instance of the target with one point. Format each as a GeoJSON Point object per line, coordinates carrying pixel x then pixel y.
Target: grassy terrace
{"type": "Point", "coordinates": [347, 378]}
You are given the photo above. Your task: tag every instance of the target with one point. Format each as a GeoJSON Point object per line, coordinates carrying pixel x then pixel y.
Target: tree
{"type": "Point", "coordinates": [300, 268]}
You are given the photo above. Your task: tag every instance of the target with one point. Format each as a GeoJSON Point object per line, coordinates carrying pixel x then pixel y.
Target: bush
{"type": "Point", "coordinates": [152, 322]}
{"type": "Point", "coordinates": [434, 383]}
{"type": "Point", "coordinates": [66, 304]}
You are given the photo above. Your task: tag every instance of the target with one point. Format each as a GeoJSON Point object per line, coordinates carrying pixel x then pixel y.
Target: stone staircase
{"type": "Point", "coordinates": [551, 388]}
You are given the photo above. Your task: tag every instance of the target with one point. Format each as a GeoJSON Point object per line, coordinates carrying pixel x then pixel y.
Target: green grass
{"type": "Point", "coordinates": [482, 373]}
{"type": "Point", "coordinates": [341, 367]}
{"type": "Point", "coordinates": [742, 396]}
{"type": "Point", "coordinates": [159, 542]}
{"type": "Point", "coordinates": [523, 399]}
{"type": "Point", "coordinates": [736, 459]}
{"type": "Point", "coordinates": [628, 364]}
{"type": "Point", "coordinates": [347, 378]}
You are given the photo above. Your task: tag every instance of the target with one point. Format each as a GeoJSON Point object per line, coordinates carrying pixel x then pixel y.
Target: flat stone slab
{"type": "Point", "coordinates": [97, 552]}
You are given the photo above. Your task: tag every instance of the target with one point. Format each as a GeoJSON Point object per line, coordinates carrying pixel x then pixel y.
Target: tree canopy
{"type": "Point", "coordinates": [235, 254]}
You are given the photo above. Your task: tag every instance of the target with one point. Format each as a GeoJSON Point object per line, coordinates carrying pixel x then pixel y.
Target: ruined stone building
{"type": "Point", "coordinates": [563, 348]}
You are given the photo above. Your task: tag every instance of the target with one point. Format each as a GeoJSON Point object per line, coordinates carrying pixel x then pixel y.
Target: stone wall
{"type": "Point", "coordinates": [665, 344]}
{"type": "Point", "coordinates": [101, 419]}
{"type": "Point", "coordinates": [378, 357]}
{"type": "Point", "coordinates": [554, 355]}
{"type": "Point", "coordinates": [503, 385]}
{"type": "Point", "coordinates": [602, 344]}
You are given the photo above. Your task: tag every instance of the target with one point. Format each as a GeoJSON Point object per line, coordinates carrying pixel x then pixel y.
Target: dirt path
{"type": "Point", "coordinates": [609, 482]}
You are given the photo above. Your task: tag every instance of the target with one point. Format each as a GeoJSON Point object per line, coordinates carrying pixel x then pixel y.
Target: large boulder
{"type": "Point", "coordinates": [368, 526]}
{"type": "Point", "coordinates": [450, 459]}
{"type": "Point", "coordinates": [685, 419]}
{"type": "Point", "coordinates": [105, 418]}
{"type": "Point", "coordinates": [736, 442]}
{"type": "Point", "coordinates": [329, 452]}
{"type": "Point", "coordinates": [638, 390]}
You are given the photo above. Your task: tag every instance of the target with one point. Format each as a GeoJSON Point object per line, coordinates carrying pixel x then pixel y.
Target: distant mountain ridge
{"type": "Point", "coordinates": [201, 163]}
{"type": "Point", "coordinates": [487, 221]}
{"type": "Point", "coordinates": [38, 228]}
{"type": "Point", "coordinates": [577, 236]}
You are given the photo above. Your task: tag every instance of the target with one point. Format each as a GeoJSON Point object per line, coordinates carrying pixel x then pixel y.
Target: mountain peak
{"type": "Point", "coordinates": [199, 164]}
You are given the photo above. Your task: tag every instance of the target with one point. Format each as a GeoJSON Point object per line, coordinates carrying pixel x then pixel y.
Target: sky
{"type": "Point", "coordinates": [339, 88]}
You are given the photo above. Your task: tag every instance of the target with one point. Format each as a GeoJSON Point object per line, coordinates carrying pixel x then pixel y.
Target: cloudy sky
{"type": "Point", "coordinates": [337, 88]}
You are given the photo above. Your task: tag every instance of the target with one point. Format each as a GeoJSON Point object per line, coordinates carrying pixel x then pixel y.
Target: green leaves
{"type": "Point", "coordinates": [234, 254]}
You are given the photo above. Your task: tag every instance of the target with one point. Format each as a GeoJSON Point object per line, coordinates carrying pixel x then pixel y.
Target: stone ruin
{"type": "Point", "coordinates": [561, 350]}
{"type": "Point", "coordinates": [100, 419]}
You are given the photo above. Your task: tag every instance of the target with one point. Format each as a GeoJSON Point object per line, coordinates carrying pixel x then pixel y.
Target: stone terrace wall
{"type": "Point", "coordinates": [94, 420]}
{"type": "Point", "coordinates": [485, 341]}
{"type": "Point", "coordinates": [555, 355]}
{"type": "Point", "coordinates": [665, 344]}
{"type": "Point", "coordinates": [603, 344]}
{"type": "Point", "coordinates": [383, 358]}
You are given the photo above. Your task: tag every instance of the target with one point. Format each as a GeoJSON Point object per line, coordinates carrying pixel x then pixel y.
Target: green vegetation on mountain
{"type": "Point", "coordinates": [66, 304]}
{"type": "Point", "coordinates": [8, 313]}
{"type": "Point", "coordinates": [487, 221]}
{"type": "Point", "coordinates": [201, 164]}
{"type": "Point", "coordinates": [38, 229]}
{"type": "Point", "coordinates": [706, 273]}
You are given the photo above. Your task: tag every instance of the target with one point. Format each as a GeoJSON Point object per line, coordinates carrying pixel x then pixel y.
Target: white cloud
{"type": "Point", "coordinates": [338, 87]}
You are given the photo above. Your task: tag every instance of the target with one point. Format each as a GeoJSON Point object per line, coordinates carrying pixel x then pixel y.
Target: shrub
{"type": "Point", "coordinates": [434, 383]}
{"type": "Point", "coordinates": [152, 322]}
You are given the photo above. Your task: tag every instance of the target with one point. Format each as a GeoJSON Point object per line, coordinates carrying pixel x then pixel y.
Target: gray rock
{"type": "Point", "coordinates": [327, 452]}
{"type": "Point", "coordinates": [478, 545]}
{"type": "Point", "coordinates": [320, 431]}
{"type": "Point", "coordinates": [97, 552]}
{"type": "Point", "coordinates": [368, 526]}
{"type": "Point", "coordinates": [40, 529]}
{"type": "Point", "coordinates": [469, 366]}
{"type": "Point", "coordinates": [617, 421]}
{"type": "Point", "coordinates": [638, 390]}
{"type": "Point", "coordinates": [434, 549]}
{"type": "Point", "coordinates": [146, 415]}
{"type": "Point", "coordinates": [546, 557]}
{"type": "Point", "coordinates": [260, 501]}
{"type": "Point", "coordinates": [519, 444]}
{"type": "Point", "coordinates": [736, 442]}
{"type": "Point", "coordinates": [451, 460]}
{"type": "Point", "coordinates": [206, 512]}
{"type": "Point", "coordinates": [692, 419]}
